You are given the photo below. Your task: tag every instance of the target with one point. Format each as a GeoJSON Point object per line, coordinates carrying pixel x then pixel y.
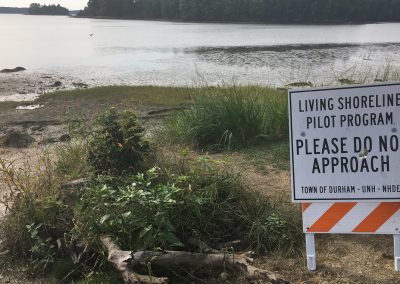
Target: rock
{"type": "Point", "coordinates": [80, 85]}
{"type": "Point", "coordinates": [17, 139]}
{"type": "Point", "coordinates": [64, 138]}
{"type": "Point", "coordinates": [16, 69]}
{"type": "Point", "coordinates": [56, 84]}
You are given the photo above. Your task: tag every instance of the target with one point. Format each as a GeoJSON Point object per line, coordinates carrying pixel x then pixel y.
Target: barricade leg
{"type": "Point", "coordinates": [396, 239]}
{"type": "Point", "coordinates": [310, 249]}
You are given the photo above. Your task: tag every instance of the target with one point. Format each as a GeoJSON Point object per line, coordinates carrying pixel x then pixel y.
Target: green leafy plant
{"type": "Point", "coordinates": [43, 251]}
{"type": "Point", "coordinates": [117, 144]}
{"type": "Point", "coordinates": [161, 209]}
{"type": "Point", "coordinates": [142, 213]}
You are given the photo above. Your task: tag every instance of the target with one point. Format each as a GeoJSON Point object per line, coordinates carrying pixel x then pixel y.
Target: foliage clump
{"type": "Point", "coordinates": [166, 207]}
{"type": "Point", "coordinates": [117, 143]}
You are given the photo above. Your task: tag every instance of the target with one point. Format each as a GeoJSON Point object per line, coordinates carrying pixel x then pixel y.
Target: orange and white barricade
{"type": "Point", "coordinates": [350, 218]}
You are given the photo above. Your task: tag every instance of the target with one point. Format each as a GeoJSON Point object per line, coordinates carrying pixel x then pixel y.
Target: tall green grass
{"type": "Point", "coordinates": [231, 117]}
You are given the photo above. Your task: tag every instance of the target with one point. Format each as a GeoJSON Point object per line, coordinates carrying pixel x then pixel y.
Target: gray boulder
{"type": "Point", "coordinates": [56, 84]}
{"type": "Point", "coordinates": [80, 85]}
{"type": "Point", "coordinates": [17, 139]}
{"type": "Point", "coordinates": [16, 69]}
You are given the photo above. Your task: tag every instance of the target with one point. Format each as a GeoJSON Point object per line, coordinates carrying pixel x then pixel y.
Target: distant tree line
{"type": "Point", "coordinates": [289, 11]}
{"type": "Point", "coordinates": [13, 10]}
{"type": "Point", "coordinates": [37, 9]}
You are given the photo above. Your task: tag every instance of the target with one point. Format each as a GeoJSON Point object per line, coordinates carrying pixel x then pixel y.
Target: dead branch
{"type": "Point", "coordinates": [123, 261]}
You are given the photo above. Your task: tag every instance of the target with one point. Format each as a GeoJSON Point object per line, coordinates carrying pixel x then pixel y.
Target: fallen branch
{"type": "Point", "coordinates": [124, 261]}
{"type": "Point", "coordinates": [121, 260]}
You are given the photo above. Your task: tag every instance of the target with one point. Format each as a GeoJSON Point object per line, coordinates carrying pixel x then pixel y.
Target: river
{"type": "Point", "coordinates": [133, 52]}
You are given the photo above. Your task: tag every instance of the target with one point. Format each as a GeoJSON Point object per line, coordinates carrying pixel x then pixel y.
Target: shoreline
{"type": "Point", "coordinates": [283, 23]}
{"type": "Point", "coordinates": [28, 83]}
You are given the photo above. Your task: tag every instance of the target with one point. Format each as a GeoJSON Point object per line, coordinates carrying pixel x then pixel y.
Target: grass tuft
{"type": "Point", "coordinates": [231, 117]}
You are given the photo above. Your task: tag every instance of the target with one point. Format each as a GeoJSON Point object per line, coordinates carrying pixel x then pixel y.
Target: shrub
{"type": "Point", "coordinates": [117, 144]}
{"type": "Point", "coordinates": [222, 118]}
{"type": "Point", "coordinates": [161, 209]}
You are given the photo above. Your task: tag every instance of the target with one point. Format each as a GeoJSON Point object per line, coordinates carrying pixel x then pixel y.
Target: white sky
{"type": "Point", "coordinates": [70, 4]}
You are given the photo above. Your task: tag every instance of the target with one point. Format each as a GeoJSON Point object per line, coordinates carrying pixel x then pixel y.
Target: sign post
{"type": "Point", "coordinates": [345, 161]}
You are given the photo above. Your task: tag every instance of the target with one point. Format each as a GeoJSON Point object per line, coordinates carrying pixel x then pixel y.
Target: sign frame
{"type": "Point", "coordinates": [375, 215]}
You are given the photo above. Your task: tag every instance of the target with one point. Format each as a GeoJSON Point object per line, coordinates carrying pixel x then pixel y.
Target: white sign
{"type": "Point", "coordinates": [345, 143]}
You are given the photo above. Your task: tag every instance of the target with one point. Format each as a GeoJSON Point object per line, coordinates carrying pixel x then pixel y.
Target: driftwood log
{"type": "Point", "coordinates": [125, 261]}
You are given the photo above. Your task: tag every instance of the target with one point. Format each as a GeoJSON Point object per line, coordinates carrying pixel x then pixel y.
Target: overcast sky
{"type": "Point", "coordinates": [70, 4]}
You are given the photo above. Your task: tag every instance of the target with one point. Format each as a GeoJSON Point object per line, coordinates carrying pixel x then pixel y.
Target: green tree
{"type": "Point", "coordinates": [269, 11]}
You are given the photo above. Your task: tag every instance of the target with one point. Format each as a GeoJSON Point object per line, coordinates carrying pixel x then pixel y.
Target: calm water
{"type": "Point", "coordinates": [165, 53]}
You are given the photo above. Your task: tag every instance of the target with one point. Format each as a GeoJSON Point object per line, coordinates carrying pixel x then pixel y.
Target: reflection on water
{"type": "Point", "coordinates": [274, 56]}
{"type": "Point", "coordinates": [319, 63]}
{"type": "Point", "coordinates": [166, 53]}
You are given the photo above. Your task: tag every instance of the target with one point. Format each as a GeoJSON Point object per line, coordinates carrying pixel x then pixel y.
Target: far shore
{"type": "Point", "coordinates": [330, 23]}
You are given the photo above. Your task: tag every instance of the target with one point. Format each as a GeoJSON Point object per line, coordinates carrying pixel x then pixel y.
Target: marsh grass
{"type": "Point", "coordinates": [231, 117]}
{"type": "Point", "coordinates": [362, 73]}
{"type": "Point", "coordinates": [90, 102]}
{"type": "Point", "coordinates": [72, 160]}
{"type": "Point", "coordinates": [5, 106]}
{"type": "Point", "coordinates": [72, 105]}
